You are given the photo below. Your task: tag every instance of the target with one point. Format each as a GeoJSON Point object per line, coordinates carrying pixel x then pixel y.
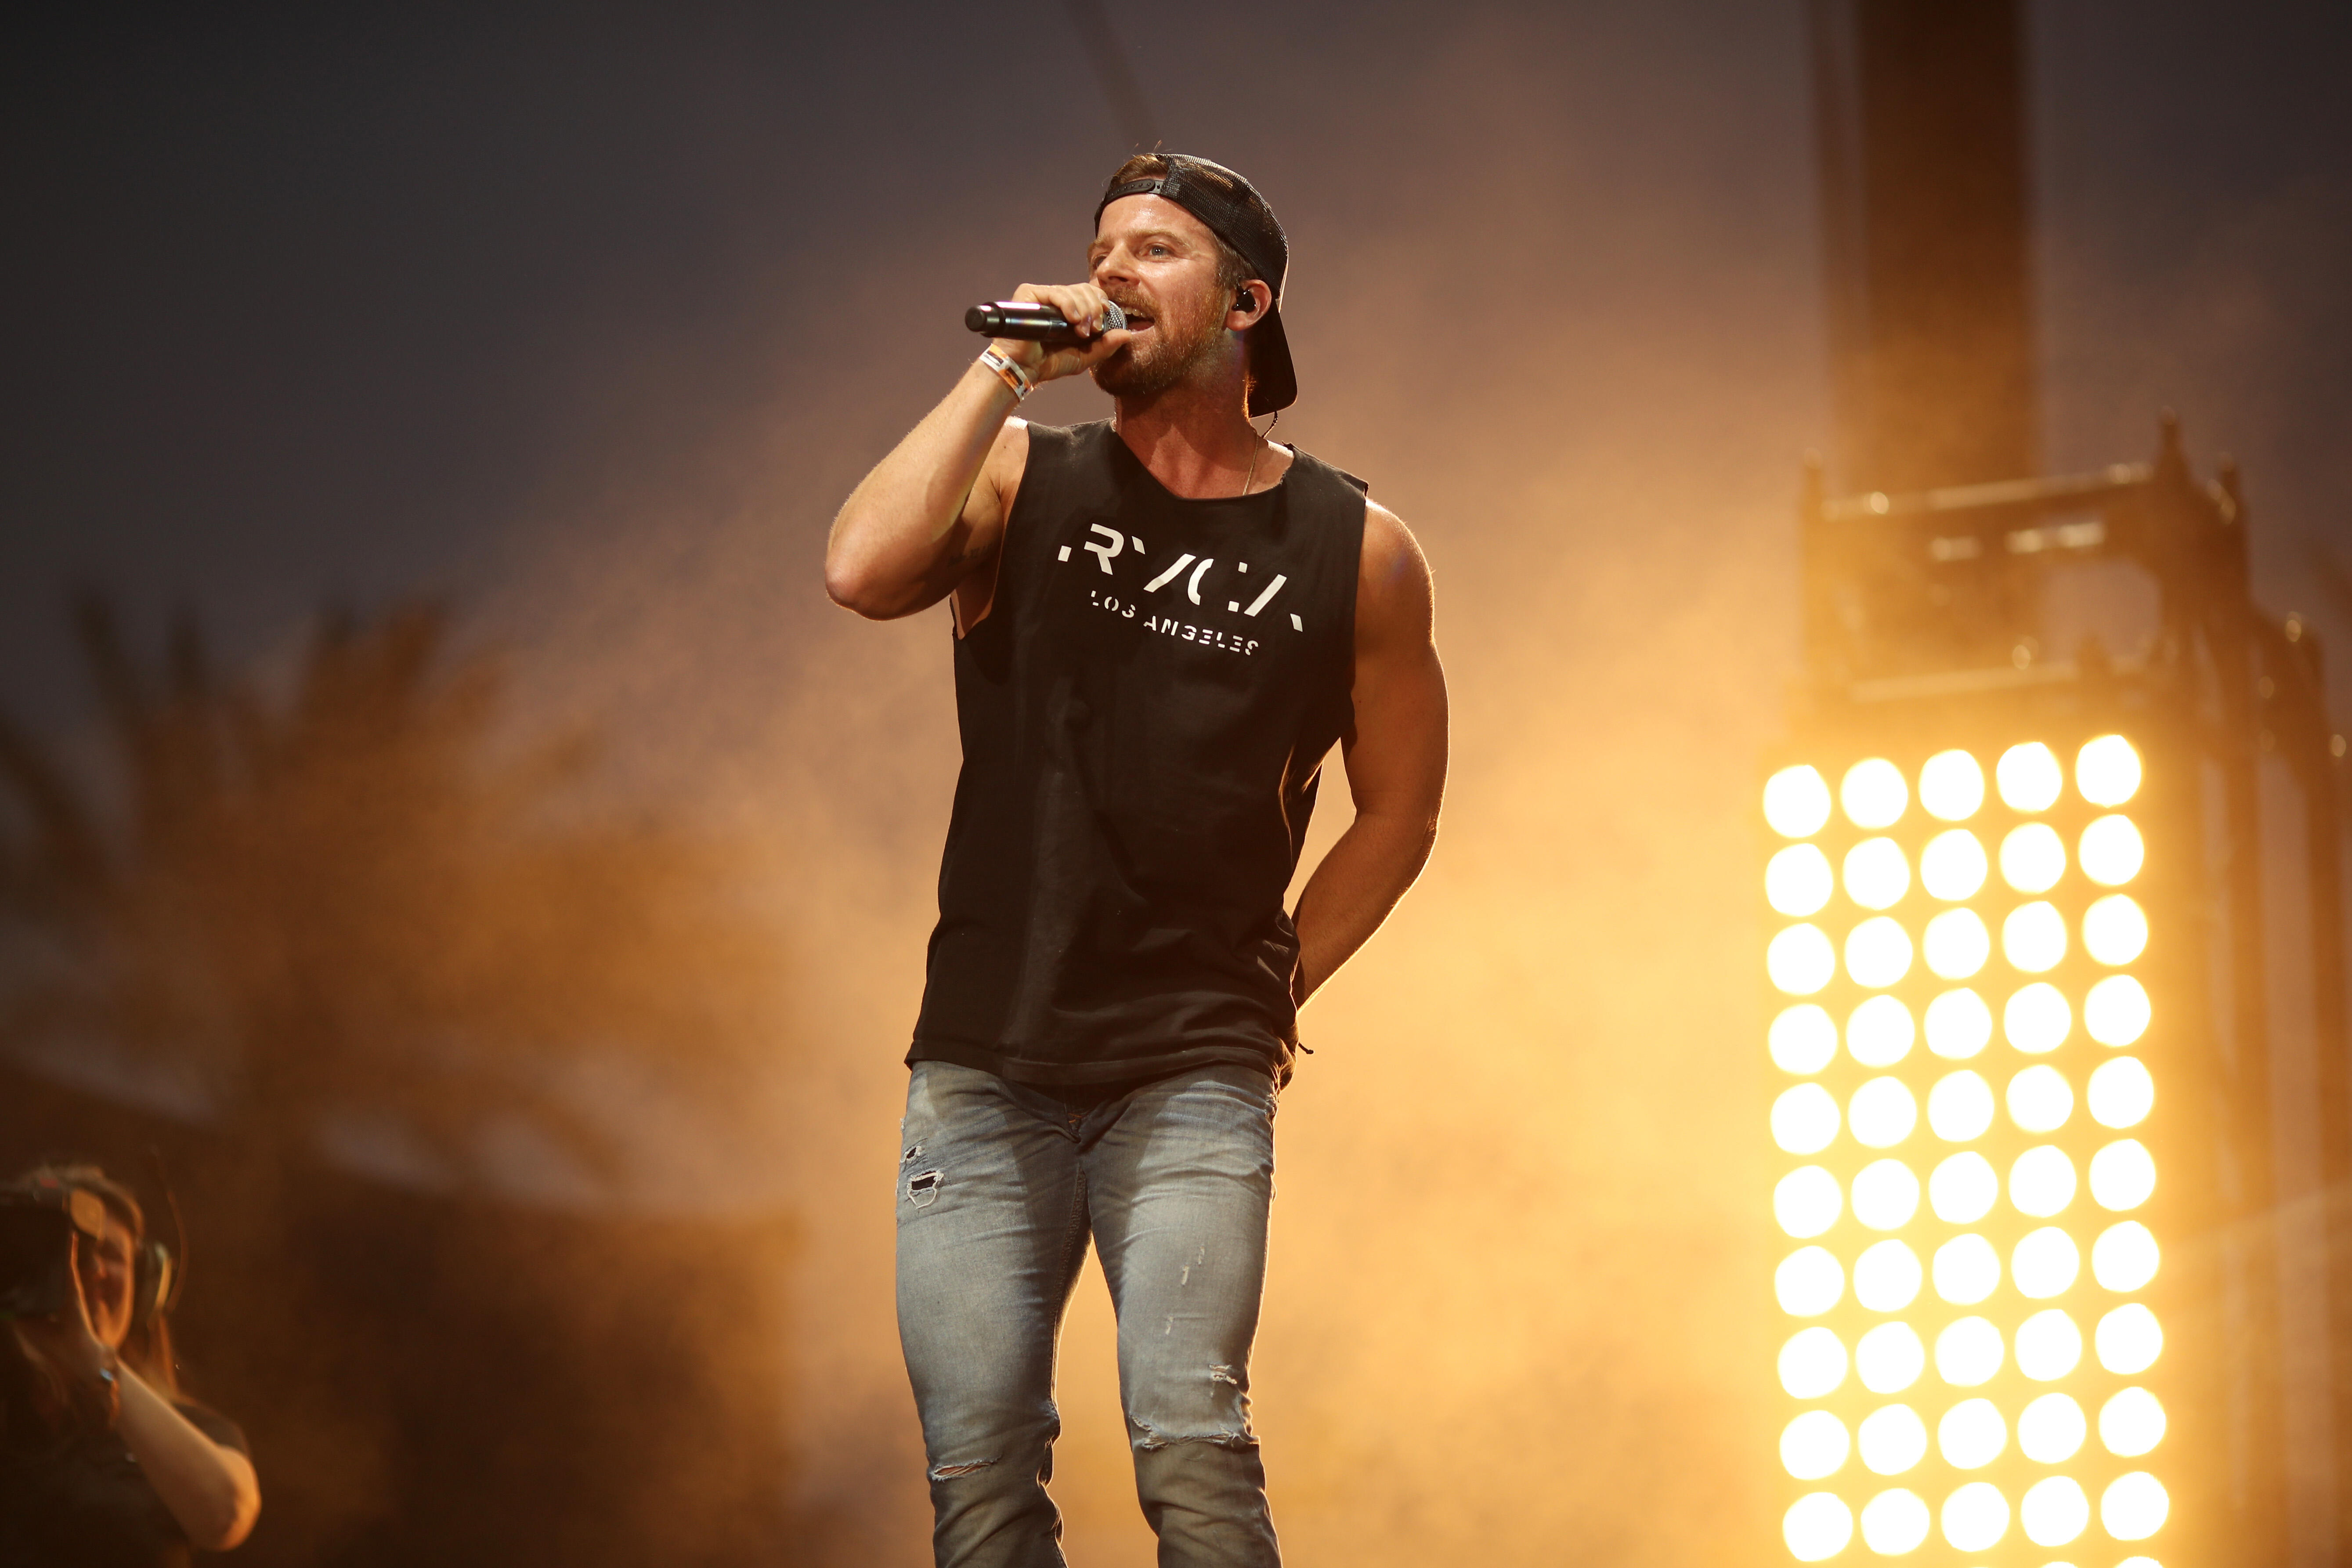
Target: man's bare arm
{"type": "Point", "coordinates": [1395, 757]}
{"type": "Point", "coordinates": [933, 511]}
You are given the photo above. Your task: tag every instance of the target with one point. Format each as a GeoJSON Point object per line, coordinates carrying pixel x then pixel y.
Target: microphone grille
{"type": "Point", "coordinates": [1113, 318]}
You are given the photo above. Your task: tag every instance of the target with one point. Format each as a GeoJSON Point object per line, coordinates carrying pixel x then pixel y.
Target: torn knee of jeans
{"type": "Point", "coordinates": [1150, 1439]}
{"type": "Point", "coordinates": [950, 1472]}
{"type": "Point", "coordinates": [923, 1189]}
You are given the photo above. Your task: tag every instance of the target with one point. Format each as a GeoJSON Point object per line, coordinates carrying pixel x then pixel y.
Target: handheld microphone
{"type": "Point", "coordinates": [1033, 323]}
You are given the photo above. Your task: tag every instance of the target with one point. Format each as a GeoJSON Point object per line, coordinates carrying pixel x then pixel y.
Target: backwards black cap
{"type": "Point", "coordinates": [1234, 212]}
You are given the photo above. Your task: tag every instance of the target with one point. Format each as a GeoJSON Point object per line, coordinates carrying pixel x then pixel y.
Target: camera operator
{"type": "Point", "coordinates": [102, 1461]}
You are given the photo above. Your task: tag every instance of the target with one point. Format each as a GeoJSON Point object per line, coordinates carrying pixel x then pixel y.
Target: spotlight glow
{"type": "Point", "coordinates": [1887, 1276]}
{"type": "Point", "coordinates": [1879, 1033]}
{"type": "Point", "coordinates": [1808, 1282]}
{"type": "Point", "coordinates": [2044, 1263]}
{"type": "Point", "coordinates": [2134, 1507]}
{"type": "Point", "coordinates": [2129, 1339]}
{"type": "Point", "coordinates": [1804, 1120]}
{"type": "Point", "coordinates": [1813, 1364]}
{"type": "Point", "coordinates": [1967, 1270]}
{"type": "Point", "coordinates": [1895, 1522]}
{"type": "Point", "coordinates": [2115, 930]}
{"type": "Point", "coordinates": [1959, 1025]}
{"type": "Point", "coordinates": [2117, 1011]}
{"type": "Point", "coordinates": [2041, 1182]}
{"type": "Point", "coordinates": [1876, 874]}
{"type": "Point", "coordinates": [2123, 1175]}
{"type": "Point", "coordinates": [1873, 793]}
{"type": "Point", "coordinates": [1893, 1439]}
{"type": "Point", "coordinates": [1967, 1352]}
{"type": "Point", "coordinates": [2037, 1019]}
{"type": "Point", "coordinates": [1803, 1038]}
{"type": "Point", "coordinates": [1889, 1359]}
{"type": "Point", "coordinates": [1958, 1108]}
{"type": "Point", "coordinates": [2111, 851]}
{"type": "Point", "coordinates": [2050, 1431]}
{"type": "Point", "coordinates": [2029, 777]}
{"type": "Point", "coordinates": [1962, 1189]}
{"type": "Point", "coordinates": [1882, 1113]}
{"type": "Point", "coordinates": [1958, 943]}
{"type": "Point", "coordinates": [1807, 1202]}
{"type": "Point", "coordinates": [1801, 960]}
{"type": "Point", "coordinates": [1886, 1195]}
{"type": "Point", "coordinates": [1797, 880]}
{"type": "Point", "coordinates": [1878, 952]}
{"type": "Point", "coordinates": [2121, 1093]}
{"type": "Point", "coordinates": [2053, 1510]}
{"type": "Point", "coordinates": [1976, 1517]}
{"type": "Point", "coordinates": [1817, 1527]}
{"type": "Point", "coordinates": [2034, 937]}
{"type": "Point", "coordinates": [2041, 1099]}
{"type": "Point", "coordinates": [2132, 1422]}
{"type": "Point", "coordinates": [2049, 1345]}
{"type": "Point", "coordinates": [2125, 1258]}
{"type": "Point", "coordinates": [1952, 867]}
{"type": "Point", "coordinates": [2032, 858]}
{"type": "Point", "coordinates": [2106, 771]}
{"type": "Point", "coordinates": [1797, 802]}
{"type": "Point", "coordinates": [1815, 1445]}
{"type": "Point", "coordinates": [1971, 1435]}
{"type": "Point", "coordinates": [1951, 786]}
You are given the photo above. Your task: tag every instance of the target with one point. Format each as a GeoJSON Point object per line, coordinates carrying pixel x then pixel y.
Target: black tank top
{"type": "Point", "coordinates": [1144, 711]}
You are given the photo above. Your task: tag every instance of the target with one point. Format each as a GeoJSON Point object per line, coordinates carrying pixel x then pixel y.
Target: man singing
{"type": "Point", "coordinates": [1163, 623]}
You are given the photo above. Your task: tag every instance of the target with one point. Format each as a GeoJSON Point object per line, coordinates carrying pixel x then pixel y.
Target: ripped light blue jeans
{"type": "Point", "coordinates": [1000, 1187]}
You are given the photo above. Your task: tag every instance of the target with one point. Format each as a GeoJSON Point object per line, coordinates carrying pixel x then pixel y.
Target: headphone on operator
{"type": "Point", "coordinates": [85, 1192]}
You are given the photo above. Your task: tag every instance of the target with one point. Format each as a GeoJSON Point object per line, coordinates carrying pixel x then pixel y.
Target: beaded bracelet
{"type": "Point", "coordinates": [1010, 373]}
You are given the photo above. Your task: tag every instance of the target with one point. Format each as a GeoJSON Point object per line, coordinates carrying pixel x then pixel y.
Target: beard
{"type": "Point", "coordinates": [1173, 350]}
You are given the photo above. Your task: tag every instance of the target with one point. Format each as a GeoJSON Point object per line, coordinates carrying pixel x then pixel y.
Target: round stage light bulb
{"type": "Point", "coordinates": [1804, 1120]}
{"type": "Point", "coordinates": [1895, 1522]}
{"type": "Point", "coordinates": [2032, 858]}
{"type": "Point", "coordinates": [1951, 786]}
{"type": "Point", "coordinates": [1892, 1439]}
{"type": "Point", "coordinates": [1801, 960]}
{"type": "Point", "coordinates": [2129, 1339]}
{"type": "Point", "coordinates": [1886, 1195]}
{"type": "Point", "coordinates": [2106, 771]}
{"type": "Point", "coordinates": [2044, 1263]}
{"type": "Point", "coordinates": [2029, 777]}
{"type": "Point", "coordinates": [1807, 1202]}
{"type": "Point", "coordinates": [1817, 1527]}
{"type": "Point", "coordinates": [1808, 1282]}
{"type": "Point", "coordinates": [1889, 1358]}
{"type": "Point", "coordinates": [1813, 1364]}
{"type": "Point", "coordinates": [1967, 1352]}
{"type": "Point", "coordinates": [1878, 952]}
{"type": "Point", "coordinates": [1815, 1445]}
{"type": "Point", "coordinates": [2034, 937]}
{"type": "Point", "coordinates": [2121, 1093]}
{"type": "Point", "coordinates": [2123, 1175]}
{"type": "Point", "coordinates": [1962, 1189]}
{"type": "Point", "coordinates": [1796, 802]}
{"type": "Point", "coordinates": [2049, 1345]}
{"type": "Point", "coordinates": [2134, 1507]}
{"type": "Point", "coordinates": [2115, 930]}
{"type": "Point", "coordinates": [2041, 1182]}
{"type": "Point", "coordinates": [2037, 1019]}
{"type": "Point", "coordinates": [1959, 1025]}
{"type": "Point", "coordinates": [1882, 1113]}
{"type": "Point", "coordinates": [1971, 1435]}
{"type": "Point", "coordinates": [2111, 851]}
{"type": "Point", "coordinates": [2050, 1430]}
{"type": "Point", "coordinates": [2132, 1422]}
{"type": "Point", "coordinates": [2053, 1510]}
{"type": "Point", "coordinates": [1952, 867]}
{"type": "Point", "coordinates": [2041, 1099]}
{"type": "Point", "coordinates": [2116, 1013]}
{"type": "Point", "coordinates": [1803, 1038]}
{"type": "Point", "coordinates": [1958, 1108]}
{"type": "Point", "coordinates": [1873, 793]}
{"type": "Point", "coordinates": [1879, 1033]}
{"type": "Point", "coordinates": [1976, 1517]}
{"type": "Point", "coordinates": [1876, 874]}
{"type": "Point", "coordinates": [1797, 880]}
{"type": "Point", "coordinates": [1887, 1276]}
{"type": "Point", "coordinates": [1958, 943]}
{"type": "Point", "coordinates": [2125, 1258]}
{"type": "Point", "coordinates": [1966, 1270]}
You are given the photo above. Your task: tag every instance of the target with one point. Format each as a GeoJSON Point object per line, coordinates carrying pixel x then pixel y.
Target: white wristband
{"type": "Point", "coordinates": [1010, 373]}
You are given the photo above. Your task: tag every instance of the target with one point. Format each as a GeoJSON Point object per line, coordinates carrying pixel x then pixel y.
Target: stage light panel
{"type": "Point", "coordinates": [1957, 943]}
{"type": "Point", "coordinates": [1971, 1435]}
{"type": "Point", "coordinates": [2111, 851]}
{"type": "Point", "coordinates": [1889, 1358]}
{"type": "Point", "coordinates": [2134, 1507]}
{"type": "Point", "coordinates": [2115, 930]}
{"type": "Point", "coordinates": [1882, 1113]}
{"type": "Point", "coordinates": [1959, 1025]}
{"type": "Point", "coordinates": [2029, 777]}
{"type": "Point", "coordinates": [1798, 881]}
{"type": "Point", "coordinates": [1807, 1202]}
{"type": "Point", "coordinates": [2034, 937]}
{"type": "Point", "coordinates": [1876, 874]}
{"type": "Point", "coordinates": [1976, 1517]}
{"type": "Point", "coordinates": [1873, 793]}
{"type": "Point", "coordinates": [2125, 1258]}
{"type": "Point", "coordinates": [1813, 1364]}
{"type": "Point", "coordinates": [1892, 1439]}
{"type": "Point", "coordinates": [2129, 1339]}
{"type": "Point", "coordinates": [2044, 1263]}
{"type": "Point", "coordinates": [1805, 1120]}
{"type": "Point", "coordinates": [2040, 1098]}
{"type": "Point", "coordinates": [2123, 1175]}
{"type": "Point", "coordinates": [1808, 1282]}
{"type": "Point", "coordinates": [1815, 1445]}
{"type": "Point", "coordinates": [1797, 802]}
{"type": "Point", "coordinates": [2041, 1182]}
{"type": "Point", "coordinates": [2132, 1422]}
{"type": "Point", "coordinates": [2116, 1011]}
{"type": "Point", "coordinates": [1886, 1195]}
{"type": "Point", "coordinates": [1803, 1039]}
{"type": "Point", "coordinates": [1895, 1522]}
{"type": "Point", "coordinates": [1817, 1527]}
{"type": "Point", "coordinates": [1879, 1033]}
{"type": "Point", "coordinates": [1969, 1352]}
{"type": "Point", "coordinates": [1962, 1188]}
{"type": "Point", "coordinates": [1951, 786]}
{"type": "Point", "coordinates": [1966, 1270]}
{"type": "Point", "coordinates": [1877, 952]}
{"type": "Point", "coordinates": [1801, 960]}
{"type": "Point", "coordinates": [2032, 858]}
{"type": "Point", "coordinates": [1959, 1108]}
{"type": "Point", "coordinates": [2050, 1429]}
{"type": "Point", "coordinates": [1887, 1276]}
{"type": "Point", "coordinates": [2054, 1511]}
{"type": "Point", "coordinates": [2121, 1093]}
{"type": "Point", "coordinates": [1952, 867]}
{"type": "Point", "coordinates": [2036, 1018]}
{"type": "Point", "coordinates": [2108, 771]}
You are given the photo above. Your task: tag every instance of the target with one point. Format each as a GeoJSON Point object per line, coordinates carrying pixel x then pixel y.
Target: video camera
{"type": "Point", "coordinates": [37, 1228]}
